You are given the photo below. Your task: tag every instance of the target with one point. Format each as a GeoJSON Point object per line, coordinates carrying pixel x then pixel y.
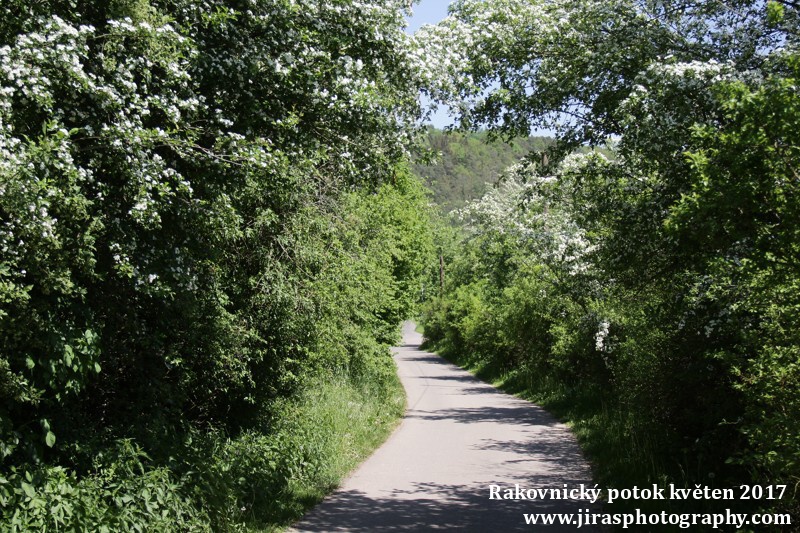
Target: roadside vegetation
{"type": "Point", "coordinates": [209, 237]}
{"type": "Point", "coordinates": [210, 230]}
{"type": "Point", "coordinates": [650, 297]}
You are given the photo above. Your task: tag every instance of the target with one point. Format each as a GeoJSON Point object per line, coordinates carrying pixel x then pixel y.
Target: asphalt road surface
{"type": "Point", "coordinates": [459, 437]}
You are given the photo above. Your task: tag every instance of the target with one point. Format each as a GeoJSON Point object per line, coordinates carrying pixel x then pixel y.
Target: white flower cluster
{"type": "Point", "coordinates": [468, 39]}
{"type": "Point", "coordinates": [530, 210]}
{"type": "Point", "coordinates": [46, 74]}
{"type": "Point", "coordinates": [655, 114]}
{"type": "Point", "coordinates": [331, 85]}
{"type": "Point", "coordinates": [601, 335]}
{"type": "Point", "coordinates": [126, 107]}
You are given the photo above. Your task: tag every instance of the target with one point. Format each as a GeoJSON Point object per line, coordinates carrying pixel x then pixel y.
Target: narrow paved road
{"type": "Point", "coordinates": [459, 436]}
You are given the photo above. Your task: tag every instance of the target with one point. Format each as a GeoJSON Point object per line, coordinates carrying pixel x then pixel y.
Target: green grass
{"type": "Point", "coordinates": [262, 479]}
{"type": "Point", "coordinates": [342, 424]}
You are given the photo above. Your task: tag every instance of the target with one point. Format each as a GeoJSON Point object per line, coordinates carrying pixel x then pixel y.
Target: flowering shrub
{"type": "Point", "coordinates": [172, 177]}
{"type": "Point", "coordinates": [663, 273]}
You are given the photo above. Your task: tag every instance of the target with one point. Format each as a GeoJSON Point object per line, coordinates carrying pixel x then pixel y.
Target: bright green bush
{"type": "Point", "coordinates": [267, 478]}
{"type": "Point", "coordinates": [125, 494]}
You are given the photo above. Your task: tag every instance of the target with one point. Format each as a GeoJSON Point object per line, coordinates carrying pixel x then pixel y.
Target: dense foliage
{"type": "Point", "coordinates": [665, 278]}
{"type": "Point", "coordinates": [464, 163]}
{"type": "Point", "coordinates": [203, 208]}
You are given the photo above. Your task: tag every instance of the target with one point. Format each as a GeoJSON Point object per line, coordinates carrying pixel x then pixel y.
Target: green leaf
{"type": "Point", "coordinates": [28, 489]}
{"type": "Point", "coordinates": [50, 439]}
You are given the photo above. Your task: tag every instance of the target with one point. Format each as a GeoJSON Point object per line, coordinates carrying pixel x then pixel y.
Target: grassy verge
{"type": "Point", "coordinates": [334, 425]}
{"type": "Point", "coordinates": [261, 479]}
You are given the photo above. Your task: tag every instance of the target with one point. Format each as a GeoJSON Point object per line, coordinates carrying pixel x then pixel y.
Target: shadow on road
{"type": "Point", "coordinates": [422, 357]}
{"type": "Point", "coordinates": [459, 437]}
{"type": "Point", "coordinates": [449, 508]}
{"type": "Point", "coordinates": [467, 415]}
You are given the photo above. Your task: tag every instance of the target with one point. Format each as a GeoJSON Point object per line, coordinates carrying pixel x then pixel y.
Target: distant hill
{"type": "Point", "coordinates": [468, 162]}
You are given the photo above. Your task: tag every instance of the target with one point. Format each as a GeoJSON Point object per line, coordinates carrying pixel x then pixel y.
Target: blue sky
{"type": "Point", "coordinates": [427, 12]}
{"type": "Point", "coordinates": [430, 12]}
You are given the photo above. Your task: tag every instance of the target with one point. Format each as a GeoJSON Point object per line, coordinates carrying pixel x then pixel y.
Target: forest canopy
{"type": "Point", "coordinates": [465, 163]}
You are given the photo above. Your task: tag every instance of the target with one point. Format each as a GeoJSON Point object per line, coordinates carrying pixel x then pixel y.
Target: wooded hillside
{"type": "Point", "coordinates": [466, 162]}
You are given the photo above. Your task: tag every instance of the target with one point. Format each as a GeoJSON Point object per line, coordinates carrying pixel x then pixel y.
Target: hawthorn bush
{"type": "Point", "coordinates": [203, 206]}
